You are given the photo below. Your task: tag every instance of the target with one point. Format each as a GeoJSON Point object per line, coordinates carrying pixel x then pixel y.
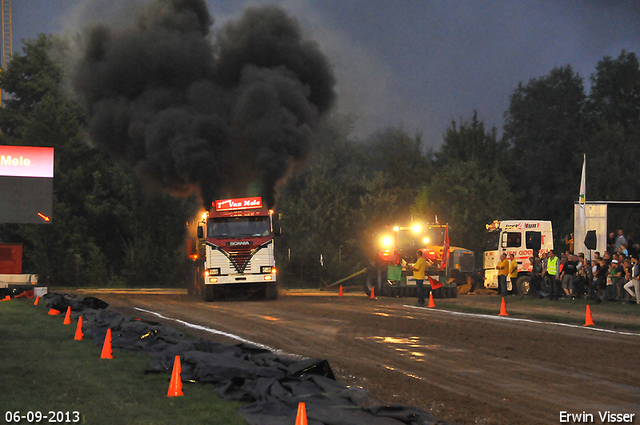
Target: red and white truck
{"type": "Point", "coordinates": [236, 250]}
{"type": "Point", "coordinates": [521, 238]}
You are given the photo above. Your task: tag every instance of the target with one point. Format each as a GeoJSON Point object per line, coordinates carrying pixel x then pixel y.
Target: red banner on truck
{"type": "Point", "coordinates": [238, 204]}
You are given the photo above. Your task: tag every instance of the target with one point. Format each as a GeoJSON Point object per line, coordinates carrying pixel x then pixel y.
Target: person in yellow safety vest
{"type": "Point", "coordinates": [553, 266]}
{"type": "Point", "coordinates": [503, 272]}
{"type": "Point", "coordinates": [513, 273]}
{"type": "Point", "coordinates": [418, 274]}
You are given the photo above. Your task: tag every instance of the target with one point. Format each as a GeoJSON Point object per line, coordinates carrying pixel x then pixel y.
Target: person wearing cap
{"type": "Point", "coordinates": [612, 280]}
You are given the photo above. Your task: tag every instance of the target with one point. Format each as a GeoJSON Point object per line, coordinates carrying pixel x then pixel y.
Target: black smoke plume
{"type": "Point", "coordinates": [223, 116]}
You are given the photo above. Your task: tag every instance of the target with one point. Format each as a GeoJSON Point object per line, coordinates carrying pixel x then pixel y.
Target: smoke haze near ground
{"type": "Point", "coordinates": [223, 116]}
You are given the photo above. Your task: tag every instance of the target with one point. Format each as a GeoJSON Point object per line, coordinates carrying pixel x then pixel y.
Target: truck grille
{"type": "Point", "coordinates": [240, 257]}
{"type": "Point", "coordinates": [467, 262]}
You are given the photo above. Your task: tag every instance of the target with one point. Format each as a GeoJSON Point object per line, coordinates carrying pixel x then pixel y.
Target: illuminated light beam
{"type": "Point", "coordinates": [44, 217]}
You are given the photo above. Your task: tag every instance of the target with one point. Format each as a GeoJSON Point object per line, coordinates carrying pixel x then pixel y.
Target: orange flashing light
{"type": "Point", "coordinates": [44, 217]}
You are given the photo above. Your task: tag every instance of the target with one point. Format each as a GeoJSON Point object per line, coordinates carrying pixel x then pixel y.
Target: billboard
{"type": "Point", "coordinates": [595, 218]}
{"type": "Point", "coordinates": [26, 184]}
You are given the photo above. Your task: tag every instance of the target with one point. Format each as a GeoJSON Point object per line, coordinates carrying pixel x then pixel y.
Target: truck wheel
{"type": "Point", "coordinates": [209, 293]}
{"type": "Point", "coordinates": [452, 292]}
{"type": "Point", "coordinates": [374, 279]}
{"type": "Point", "coordinates": [523, 285]}
{"type": "Point", "coordinates": [272, 291]}
{"type": "Point", "coordinates": [193, 283]}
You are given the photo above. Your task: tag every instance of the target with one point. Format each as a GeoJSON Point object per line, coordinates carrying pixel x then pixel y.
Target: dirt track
{"type": "Point", "coordinates": [470, 369]}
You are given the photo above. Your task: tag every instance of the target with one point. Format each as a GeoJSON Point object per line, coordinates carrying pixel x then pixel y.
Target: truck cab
{"type": "Point", "coordinates": [524, 239]}
{"type": "Point", "coordinates": [239, 249]}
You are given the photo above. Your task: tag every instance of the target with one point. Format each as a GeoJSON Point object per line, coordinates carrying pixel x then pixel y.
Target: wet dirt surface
{"type": "Point", "coordinates": [464, 368]}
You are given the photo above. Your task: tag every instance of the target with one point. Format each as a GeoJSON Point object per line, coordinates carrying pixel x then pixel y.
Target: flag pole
{"type": "Point", "coordinates": [582, 200]}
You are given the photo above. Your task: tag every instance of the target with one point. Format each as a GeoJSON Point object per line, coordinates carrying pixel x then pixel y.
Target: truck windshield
{"type": "Point", "coordinates": [491, 241]}
{"type": "Point", "coordinates": [228, 227]}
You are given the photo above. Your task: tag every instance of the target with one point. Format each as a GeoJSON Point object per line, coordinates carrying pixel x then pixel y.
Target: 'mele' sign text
{"type": "Point", "coordinates": [26, 161]}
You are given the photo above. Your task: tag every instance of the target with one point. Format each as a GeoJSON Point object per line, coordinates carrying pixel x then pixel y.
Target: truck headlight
{"type": "Point", "coordinates": [215, 271]}
{"type": "Point", "coordinates": [266, 269]}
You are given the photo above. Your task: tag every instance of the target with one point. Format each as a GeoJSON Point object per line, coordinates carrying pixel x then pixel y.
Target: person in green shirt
{"type": "Point", "coordinates": [418, 274]}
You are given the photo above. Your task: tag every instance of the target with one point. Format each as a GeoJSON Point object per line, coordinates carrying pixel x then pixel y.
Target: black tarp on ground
{"type": "Point", "coordinates": [272, 384]}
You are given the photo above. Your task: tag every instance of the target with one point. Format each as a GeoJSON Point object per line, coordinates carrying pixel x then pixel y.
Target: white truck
{"type": "Point", "coordinates": [518, 237]}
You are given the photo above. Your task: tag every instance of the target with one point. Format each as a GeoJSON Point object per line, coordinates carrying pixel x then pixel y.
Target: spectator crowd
{"type": "Point", "coordinates": [612, 276]}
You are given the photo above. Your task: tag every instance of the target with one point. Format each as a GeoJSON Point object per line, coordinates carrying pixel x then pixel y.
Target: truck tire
{"type": "Point", "coordinates": [194, 283]}
{"type": "Point", "coordinates": [271, 291]}
{"type": "Point", "coordinates": [452, 292]}
{"type": "Point", "coordinates": [209, 293]}
{"type": "Point", "coordinates": [523, 285]}
{"type": "Point", "coordinates": [374, 279]}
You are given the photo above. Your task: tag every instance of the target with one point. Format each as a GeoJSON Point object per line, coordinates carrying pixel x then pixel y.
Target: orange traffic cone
{"type": "Point", "coordinates": [53, 311]}
{"type": "Point", "coordinates": [107, 353]}
{"type": "Point", "coordinates": [301, 418]}
{"type": "Point", "coordinates": [6, 298]}
{"type": "Point", "coordinates": [175, 386]}
{"type": "Point", "coordinates": [340, 292]}
{"type": "Point", "coordinates": [37, 300]}
{"type": "Point", "coordinates": [503, 309]}
{"type": "Point", "coordinates": [79, 334]}
{"type": "Point", "coordinates": [431, 303]}
{"type": "Point", "coordinates": [589, 320]}
{"type": "Point", "coordinates": [67, 317]}
{"type": "Point", "coordinates": [373, 295]}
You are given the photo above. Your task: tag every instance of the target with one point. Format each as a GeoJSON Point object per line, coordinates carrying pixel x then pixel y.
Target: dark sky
{"type": "Point", "coordinates": [420, 63]}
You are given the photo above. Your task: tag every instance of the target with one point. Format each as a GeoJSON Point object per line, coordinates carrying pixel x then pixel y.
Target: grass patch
{"type": "Point", "coordinates": [44, 369]}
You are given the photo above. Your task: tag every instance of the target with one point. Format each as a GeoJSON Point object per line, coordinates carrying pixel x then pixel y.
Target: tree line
{"type": "Point", "coordinates": [110, 229]}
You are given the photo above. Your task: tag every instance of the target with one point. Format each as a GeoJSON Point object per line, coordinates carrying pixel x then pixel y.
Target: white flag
{"type": "Point", "coordinates": [583, 184]}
